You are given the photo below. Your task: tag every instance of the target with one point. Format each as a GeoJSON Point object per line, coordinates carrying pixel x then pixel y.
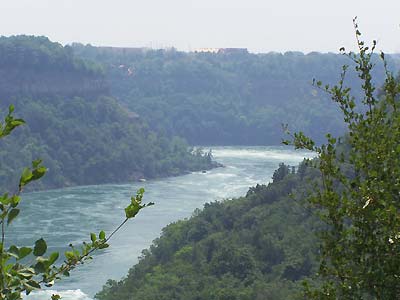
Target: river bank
{"type": "Point", "coordinates": [68, 215]}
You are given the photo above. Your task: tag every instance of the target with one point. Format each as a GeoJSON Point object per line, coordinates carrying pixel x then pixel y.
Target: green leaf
{"type": "Point", "coordinates": [14, 296]}
{"type": "Point", "coordinates": [102, 235]}
{"type": "Point", "coordinates": [25, 177]}
{"type": "Point", "coordinates": [93, 237]}
{"type": "Point", "coordinates": [26, 273]}
{"type": "Point", "coordinates": [24, 251]}
{"type": "Point", "coordinates": [103, 246]}
{"type": "Point", "coordinates": [12, 215]}
{"type": "Point", "coordinates": [14, 200]}
{"type": "Point", "coordinates": [14, 251]}
{"type": "Point", "coordinates": [36, 163]}
{"type": "Point", "coordinates": [4, 199]}
{"type": "Point", "coordinates": [32, 285]}
{"type": "Point", "coordinates": [29, 175]}
{"type": "Point", "coordinates": [53, 257]}
{"type": "Point", "coordinates": [40, 267]}
{"type": "Point", "coordinates": [69, 255]}
{"type": "Point", "coordinates": [131, 211]}
{"type": "Point", "coordinates": [38, 173]}
{"type": "Point", "coordinates": [40, 247]}
{"type": "Point", "coordinates": [16, 122]}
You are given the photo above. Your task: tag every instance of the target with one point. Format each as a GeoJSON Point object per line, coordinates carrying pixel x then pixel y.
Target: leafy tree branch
{"type": "Point", "coordinates": [18, 277]}
{"type": "Point", "coordinates": [359, 197]}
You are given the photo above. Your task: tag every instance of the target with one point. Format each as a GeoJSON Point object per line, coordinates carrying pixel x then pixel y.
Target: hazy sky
{"type": "Point", "coordinates": [260, 25]}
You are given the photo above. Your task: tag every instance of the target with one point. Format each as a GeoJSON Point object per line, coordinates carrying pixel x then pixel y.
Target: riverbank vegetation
{"type": "Point", "coordinates": [328, 230]}
{"type": "Point", "coordinates": [83, 135]}
{"type": "Point", "coordinates": [228, 98]}
{"type": "Point", "coordinates": [26, 269]}
{"type": "Point", "coordinates": [236, 249]}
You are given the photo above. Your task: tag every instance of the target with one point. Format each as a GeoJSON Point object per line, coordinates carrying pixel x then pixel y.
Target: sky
{"type": "Point", "coordinates": [259, 25]}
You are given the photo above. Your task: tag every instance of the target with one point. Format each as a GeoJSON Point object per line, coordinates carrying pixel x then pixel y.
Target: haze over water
{"type": "Point", "coordinates": [69, 215]}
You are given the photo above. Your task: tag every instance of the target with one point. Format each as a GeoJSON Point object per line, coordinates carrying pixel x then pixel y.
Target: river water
{"type": "Point", "coordinates": [68, 215]}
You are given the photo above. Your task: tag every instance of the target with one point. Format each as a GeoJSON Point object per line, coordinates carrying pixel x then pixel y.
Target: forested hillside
{"type": "Point", "coordinates": [217, 98]}
{"type": "Point", "coordinates": [83, 135]}
{"type": "Point", "coordinates": [238, 249]}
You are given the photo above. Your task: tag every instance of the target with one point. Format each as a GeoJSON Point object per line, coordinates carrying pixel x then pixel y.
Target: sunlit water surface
{"type": "Point", "coordinates": [67, 215]}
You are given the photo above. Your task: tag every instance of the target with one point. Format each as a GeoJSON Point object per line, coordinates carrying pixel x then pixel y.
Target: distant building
{"type": "Point", "coordinates": [207, 50]}
{"type": "Point", "coordinates": [222, 50]}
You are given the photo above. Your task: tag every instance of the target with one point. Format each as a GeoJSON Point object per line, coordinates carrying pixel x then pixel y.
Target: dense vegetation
{"type": "Point", "coordinates": [360, 196]}
{"type": "Point", "coordinates": [211, 98]}
{"type": "Point", "coordinates": [82, 134]}
{"type": "Point", "coordinates": [237, 249]}
{"type": "Point", "coordinates": [26, 269]}
{"type": "Point", "coordinates": [262, 245]}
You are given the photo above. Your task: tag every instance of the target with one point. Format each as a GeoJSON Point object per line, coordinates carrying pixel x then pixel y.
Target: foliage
{"type": "Point", "coordinates": [84, 135]}
{"type": "Point", "coordinates": [262, 246]}
{"type": "Point", "coordinates": [280, 173]}
{"type": "Point", "coordinates": [17, 274]}
{"type": "Point", "coordinates": [256, 247]}
{"type": "Point", "coordinates": [359, 197]}
{"type": "Point", "coordinates": [222, 99]}
{"type": "Point", "coordinates": [38, 53]}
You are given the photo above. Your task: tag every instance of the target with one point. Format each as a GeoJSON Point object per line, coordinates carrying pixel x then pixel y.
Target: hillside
{"type": "Point", "coordinates": [83, 135]}
{"type": "Point", "coordinates": [227, 98]}
{"type": "Point", "coordinates": [260, 246]}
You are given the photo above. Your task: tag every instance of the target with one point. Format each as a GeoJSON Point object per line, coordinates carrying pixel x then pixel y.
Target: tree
{"type": "Point", "coordinates": [280, 173]}
{"type": "Point", "coordinates": [17, 276]}
{"type": "Point", "coordinates": [359, 194]}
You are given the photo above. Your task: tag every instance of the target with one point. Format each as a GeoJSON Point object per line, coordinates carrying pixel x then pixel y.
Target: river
{"type": "Point", "coordinates": [68, 215]}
